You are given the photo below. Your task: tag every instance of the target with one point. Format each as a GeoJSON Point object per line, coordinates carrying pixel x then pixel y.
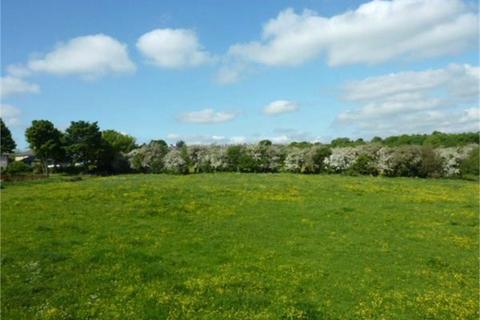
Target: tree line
{"type": "Point", "coordinates": [83, 147]}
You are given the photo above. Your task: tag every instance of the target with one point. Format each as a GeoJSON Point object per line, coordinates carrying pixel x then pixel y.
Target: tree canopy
{"type": "Point", "coordinates": [120, 142]}
{"type": "Point", "coordinates": [7, 142]}
{"type": "Point", "coordinates": [45, 141]}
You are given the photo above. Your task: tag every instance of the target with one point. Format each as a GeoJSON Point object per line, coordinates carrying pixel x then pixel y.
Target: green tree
{"type": "Point", "coordinates": [84, 144]}
{"type": "Point", "coordinates": [341, 142]}
{"type": "Point", "coordinates": [46, 142]}
{"type": "Point", "coordinates": [7, 143]}
{"type": "Point", "coordinates": [318, 155]}
{"type": "Point", "coordinates": [119, 142]}
{"type": "Point", "coordinates": [180, 144]}
{"type": "Point", "coordinates": [265, 143]}
{"type": "Point", "coordinates": [471, 165]}
{"type": "Point", "coordinates": [234, 157]}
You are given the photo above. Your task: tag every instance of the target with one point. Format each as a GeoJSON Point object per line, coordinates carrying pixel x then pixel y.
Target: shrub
{"type": "Point", "coordinates": [295, 160]}
{"type": "Point", "coordinates": [432, 164]}
{"type": "Point", "coordinates": [405, 161]}
{"type": "Point", "coordinates": [175, 163]}
{"type": "Point", "coordinates": [470, 165]}
{"type": "Point", "coordinates": [17, 168]}
{"type": "Point", "coordinates": [317, 156]}
{"type": "Point", "coordinates": [234, 157]}
{"type": "Point", "coordinates": [364, 164]}
{"type": "Point", "coordinates": [148, 158]}
{"type": "Point", "coordinates": [341, 159]}
{"type": "Point", "coordinates": [264, 157]}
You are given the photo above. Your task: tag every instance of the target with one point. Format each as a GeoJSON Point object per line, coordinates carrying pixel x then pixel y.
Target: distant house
{"type": "Point", "coordinates": [26, 157]}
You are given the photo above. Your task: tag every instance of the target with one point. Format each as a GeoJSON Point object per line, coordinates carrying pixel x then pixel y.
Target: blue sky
{"type": "Point", "coordinates": [233, 71]}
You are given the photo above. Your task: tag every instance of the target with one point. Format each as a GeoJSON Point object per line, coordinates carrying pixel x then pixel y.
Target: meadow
{"type": "Point", "coordinates": [240, 246]}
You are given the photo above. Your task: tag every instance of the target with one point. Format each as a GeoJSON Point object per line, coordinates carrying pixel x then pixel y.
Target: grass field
{"type": "Point", "coordinates": [240, 246]}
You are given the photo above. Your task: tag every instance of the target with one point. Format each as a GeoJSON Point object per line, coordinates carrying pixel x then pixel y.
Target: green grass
{"type": "Point", "coordinates": [240, 246]}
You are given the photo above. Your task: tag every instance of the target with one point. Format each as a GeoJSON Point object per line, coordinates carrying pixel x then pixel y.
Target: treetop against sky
{"type": "Point", "coordinates": [238, 71]}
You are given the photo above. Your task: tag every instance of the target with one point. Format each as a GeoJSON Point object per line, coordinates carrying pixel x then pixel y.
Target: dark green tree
{"type": "Point", "coordinates": [180, 144]}
{"type": "Point", "coordinates": [7, 143]}
{"type": "Point", "coordinates": [341, 142]}
{"type": "Point", "coordinates": [119, 142]}
{"type": "Point", "coordinates": [84, 145]}
{"type": "Point", "coordinates": [265, 143]}
{"type": "Point", "coordinates": [471, 165]}
{"type": "Point", "coordinates": [318, 154]}
{"type": "Point", "coordinates": [235, 153]}
{"type": "Point", "coordinates": [46, 142]}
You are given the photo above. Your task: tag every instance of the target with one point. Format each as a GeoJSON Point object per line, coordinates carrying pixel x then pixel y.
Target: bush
{"type": "Point", "coordinates": [17, 168]}
{"type": "Point", "coordinates": [471, 164]}
{"type": "Point", "coordinates": [405, 161]}
{"type": "Point", "coordinates": [175, 163]}
{"type": "Point", "coordinates": [295, 160]}
{"type": "Point", "coordinates": [365, 165]}
{"type": "Point", "coordinates": [234, 157]}
{"type": "Point", "coordinates": [307, 160]}
{"type": "Point", "coordinates": [341, 159]}
{"type": "Point", "coordinates": [148, 158]}
{"type": "Point", "coordinates": [317, 156]}
{"type": "Point", "coordinates": [432, 164]}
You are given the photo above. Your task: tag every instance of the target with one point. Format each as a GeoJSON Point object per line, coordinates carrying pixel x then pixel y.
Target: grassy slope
{"type": "Point", "coordinates": [234, 246]}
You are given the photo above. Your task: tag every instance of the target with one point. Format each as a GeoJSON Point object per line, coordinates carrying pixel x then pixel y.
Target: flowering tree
{"type": "Point", "coordinates": [174, 162]}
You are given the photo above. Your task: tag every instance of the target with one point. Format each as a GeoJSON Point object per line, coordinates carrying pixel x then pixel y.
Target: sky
{"type": "Point", "coordinates": [217, 71]}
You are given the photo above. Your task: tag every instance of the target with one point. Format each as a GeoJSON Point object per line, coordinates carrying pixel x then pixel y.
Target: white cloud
{"type": "Point", "coordinates": [207, 116]}
{"type": "Point", "coordinates": [206, 139]}
{"type": "Point", "coordinates": [376, 32]}
{"type": "Point", "coordinates": [414, 101]}
{"type": "Point", "coordinates": [10, 86]}
{"type": "Point", "coordinates": [287, 135]}
{"type": "Point", "coordinates": [173, 136]}
{"type": "Point", "coordinates": [89, 56]}
{"type": "Point", "coordinates": [173, 48]}
{"type": "Point", "coordinates": [280, 106]}
{"type": "Point", "coordinates": [232, 71]}
{"type": "Point", "coordinates": [18, 71]}
{"type": "Point", "coordinates": [238, 140]}
{"type": "Point", "coordinates": [10, 114]}
{"type": "Point", "coordinates": [458, 80]}
{"type": "Point", "coordinates": [228, 75]}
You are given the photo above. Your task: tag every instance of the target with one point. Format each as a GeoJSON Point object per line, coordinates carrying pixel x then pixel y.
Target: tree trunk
{"type": "Point", "coordinates": [45, 168]}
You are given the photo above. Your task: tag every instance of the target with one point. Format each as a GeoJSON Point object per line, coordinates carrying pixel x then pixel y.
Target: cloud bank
{"type": "Point", "coordinates": [376, 32]}
{"type": "Point", "coordinates": [415, 101]}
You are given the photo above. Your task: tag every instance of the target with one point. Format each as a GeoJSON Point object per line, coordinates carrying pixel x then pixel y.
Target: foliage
{"type": "Point", "coordinates": [364, 164]}
{"type": "Point", "coordinates": [240, 246]}
{"type": "Point", "coordinates": [471, 164]}
{"type": "Point", "coordinates": [85, 146]}
{"type": "Point", "coordinates": [180, 144]}
{"type": "Point", "coordinates": [235, 155]}
{"type": "Point", "coordinates": [341, 159]}
{"type": "Point", "coordinates": [432, 164]}
{"type": "Point", "coordinates": [436, 139]}
{"type": "Point", "coordinates": [46, 141]}
{"type": "Point", "coordinates": [149, 158]}
{"type": "Point", "coordinates": [17, 167]}
{"type": "Point", "coordinates": [265, 143]}
{"type": "Point", "coordinates": [120, 142]}
{"type": "Point", "coordinates": [416, 155]}
{"type": "Point", "coordinates": [405, 161]}
{"type": "Point", "coordinates": [7, 143]}
{"type": "Point", "coordinates": [174, 162]}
